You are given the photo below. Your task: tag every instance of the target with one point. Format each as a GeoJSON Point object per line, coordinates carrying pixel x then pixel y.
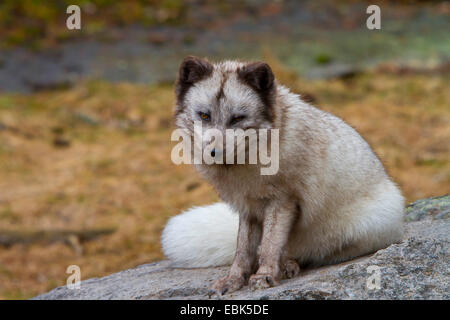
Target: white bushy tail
{"type": "Point", "coordinates": [201, 237]}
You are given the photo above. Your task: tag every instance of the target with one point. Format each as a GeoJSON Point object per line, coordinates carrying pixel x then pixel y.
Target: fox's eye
{"type": "Point", "coordinates": [205, 116]}
{"type": "Point", "coordinates": [237, 119]}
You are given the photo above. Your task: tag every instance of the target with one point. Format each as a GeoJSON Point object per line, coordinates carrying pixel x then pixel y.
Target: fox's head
{"type": "Point", "coordinates": [225, 95]}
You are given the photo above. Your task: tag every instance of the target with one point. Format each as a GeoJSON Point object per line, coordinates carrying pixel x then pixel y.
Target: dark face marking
{"type": "Point", "coordinates": [259, 76]}
{"type": "Point", "coordinates": [220, 93]}
{"type": "Point", "coordinates": [192, 70]}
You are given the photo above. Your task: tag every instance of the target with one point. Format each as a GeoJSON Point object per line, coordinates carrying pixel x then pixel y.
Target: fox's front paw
{"type": "Point", "coordinates": [228, 284]}
{"type": "Point", "coordinates": [262, 281]}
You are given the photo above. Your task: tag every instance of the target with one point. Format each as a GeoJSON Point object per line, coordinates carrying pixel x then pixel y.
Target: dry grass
{"type": "Point", "coordinates": [116, 170]}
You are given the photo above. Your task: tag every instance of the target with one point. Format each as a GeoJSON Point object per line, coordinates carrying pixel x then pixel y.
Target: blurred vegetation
{"type": "Point", "coordinates": [97, 156]}
{"type": "Point", "coordinates": [37, 23]}
{"type": "Point", "coordinates": [114, 170]}
{"type": "Point", "coordinates": [41, 23]}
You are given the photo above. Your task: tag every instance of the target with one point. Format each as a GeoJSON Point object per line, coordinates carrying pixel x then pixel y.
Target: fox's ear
{"type": "Point", "coordinates": [192, 69]}
{"type": "Point", "coordinates": [258, 75]}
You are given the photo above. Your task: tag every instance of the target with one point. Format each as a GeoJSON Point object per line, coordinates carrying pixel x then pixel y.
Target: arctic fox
{"type": "Point", "coordinates": [331, 199]}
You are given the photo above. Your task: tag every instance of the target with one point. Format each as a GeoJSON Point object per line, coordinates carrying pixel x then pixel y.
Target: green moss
{"type": "Point", "coordinates": [6, 102]}
{"type": "Point", "coordinates": [432, 162]}
{"type": "Point", "coordinates": [323, 58]}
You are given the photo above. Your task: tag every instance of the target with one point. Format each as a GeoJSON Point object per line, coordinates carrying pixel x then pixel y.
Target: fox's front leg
{"type": "Point", "coordinates": [244, 263]}
{"type": "Point", "coordinates": [278, 221]}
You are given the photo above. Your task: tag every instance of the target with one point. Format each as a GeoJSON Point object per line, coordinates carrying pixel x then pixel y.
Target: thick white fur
{"type": "Point", "coordinates": [206, 236]}
{"type": "Point", "coordinates": [201, 237]}
{"type": "Point", "coordinates": [349, 205]}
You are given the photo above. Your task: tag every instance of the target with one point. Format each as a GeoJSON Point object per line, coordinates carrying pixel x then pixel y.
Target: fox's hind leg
{"type": "Point", "coordinates": [289, 268]}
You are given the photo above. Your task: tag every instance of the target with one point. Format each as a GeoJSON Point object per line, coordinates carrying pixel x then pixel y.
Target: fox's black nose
{"type": "Point", "coordinates": [213, 153]}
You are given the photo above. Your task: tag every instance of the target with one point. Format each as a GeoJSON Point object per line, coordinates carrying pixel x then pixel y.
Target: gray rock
{"type": "Point", "coordinates": [416, 268]}
{"type": "Point", "coordinates": [436, 208]}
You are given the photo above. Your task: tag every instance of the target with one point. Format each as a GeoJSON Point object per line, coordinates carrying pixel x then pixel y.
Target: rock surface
{"type": "Point", "coordinates": [435, 208]}
{"type": "Point", "coordinates": [416, 268]}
